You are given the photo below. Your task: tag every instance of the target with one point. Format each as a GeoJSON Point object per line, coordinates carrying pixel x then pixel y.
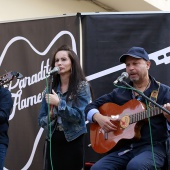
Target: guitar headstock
{"type": "Point", "coordinates": [6, 78]}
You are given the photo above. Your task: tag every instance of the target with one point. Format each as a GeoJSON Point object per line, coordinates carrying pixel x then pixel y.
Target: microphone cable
{"type": "Point", "coordinates": [49, 128]}
{"type": "Point", "coordinates": [149, 122]}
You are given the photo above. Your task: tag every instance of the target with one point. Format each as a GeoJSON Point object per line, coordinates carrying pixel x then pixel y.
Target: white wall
{"type": "Point", "coordinates": [11, 10]}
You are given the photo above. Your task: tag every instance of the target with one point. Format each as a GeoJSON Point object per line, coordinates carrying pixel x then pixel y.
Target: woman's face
{"type": "Point", "coordinates": [63, 61]}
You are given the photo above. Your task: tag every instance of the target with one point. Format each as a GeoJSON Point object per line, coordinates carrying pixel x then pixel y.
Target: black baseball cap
{"type": "Point", "coordinates": [136, 52]}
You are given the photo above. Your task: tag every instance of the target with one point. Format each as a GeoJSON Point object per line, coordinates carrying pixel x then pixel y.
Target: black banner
{"type": "Point", "coordinates": [107, 36]}
{"type": "Point", "coordinates": [27, 47]}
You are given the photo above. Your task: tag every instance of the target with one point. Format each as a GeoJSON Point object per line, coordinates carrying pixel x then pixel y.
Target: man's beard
{"type": "Point", "coordinates": [134, 79]}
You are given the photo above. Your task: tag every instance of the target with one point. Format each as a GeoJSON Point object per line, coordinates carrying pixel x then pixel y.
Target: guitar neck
{"type": "Point", "coordinates": [145, 114]}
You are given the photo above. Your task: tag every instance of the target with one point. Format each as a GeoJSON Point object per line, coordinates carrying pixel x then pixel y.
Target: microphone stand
{"type": "Point", "coordinates": [48, 131]}
{"type": "Point", "coordinates": [142, 94]}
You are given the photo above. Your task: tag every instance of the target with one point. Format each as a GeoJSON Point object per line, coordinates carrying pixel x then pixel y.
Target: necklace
{"type": "Point", "coordinates": [147, 86]}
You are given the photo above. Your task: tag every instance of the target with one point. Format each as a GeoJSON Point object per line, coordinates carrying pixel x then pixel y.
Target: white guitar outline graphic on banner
{"type": "Point", "coordinates": [20, 38]}
{"type": "Point", "coordinates": [164, 59]}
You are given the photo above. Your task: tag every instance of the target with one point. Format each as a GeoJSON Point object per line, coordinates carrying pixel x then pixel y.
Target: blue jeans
{"type": "Point", "coordinates": [136, 159]}
{"type": "Point", "coordinates": [3, 150]}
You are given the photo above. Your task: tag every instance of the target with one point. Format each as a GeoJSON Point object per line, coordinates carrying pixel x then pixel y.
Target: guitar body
{"type": "Point", "coordinates": [102, 142]}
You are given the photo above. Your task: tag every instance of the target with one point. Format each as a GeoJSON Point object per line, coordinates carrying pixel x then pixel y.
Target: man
{"type": "Point", "coordinates": [6, 104]}
{"type": "Point", "coordinates": [148, 152]}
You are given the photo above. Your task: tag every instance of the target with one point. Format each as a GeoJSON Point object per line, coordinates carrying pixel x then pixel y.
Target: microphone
{"type": "Point", "coordinates": [124, 75]}
{"type": "Point", "coordinates": [55, 70]}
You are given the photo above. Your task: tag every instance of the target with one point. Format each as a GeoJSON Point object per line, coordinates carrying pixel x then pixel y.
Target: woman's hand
{"type": "Point", "coordinates": [52, 99]}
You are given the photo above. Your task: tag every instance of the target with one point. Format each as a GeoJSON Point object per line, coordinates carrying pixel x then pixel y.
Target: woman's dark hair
{"type": "Point", "coordinates": [76, 76]}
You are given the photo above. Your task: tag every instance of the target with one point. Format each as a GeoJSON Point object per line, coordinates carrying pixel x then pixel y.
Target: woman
{"type": "Point", "coordinates": [70, 93]}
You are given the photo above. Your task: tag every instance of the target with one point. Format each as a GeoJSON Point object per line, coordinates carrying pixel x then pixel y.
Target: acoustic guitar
{"type": "Point", "coordinates": [7, 77]}
{"type": "Point", "coordinates": [128, 118]}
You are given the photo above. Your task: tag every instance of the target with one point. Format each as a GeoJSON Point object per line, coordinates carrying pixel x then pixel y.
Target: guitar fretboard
{"type": "Point", "coordinates": [144, 114]}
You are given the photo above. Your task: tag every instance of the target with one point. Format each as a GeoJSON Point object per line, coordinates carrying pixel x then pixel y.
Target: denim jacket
{"type": "Point", "coordinates": [71, 112]}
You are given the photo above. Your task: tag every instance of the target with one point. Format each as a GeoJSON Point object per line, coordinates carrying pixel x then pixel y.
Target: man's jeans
{"type": "Point", "coordinates": [3, 149]}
